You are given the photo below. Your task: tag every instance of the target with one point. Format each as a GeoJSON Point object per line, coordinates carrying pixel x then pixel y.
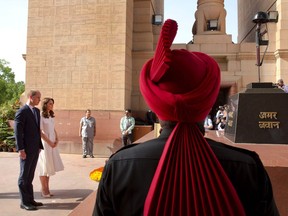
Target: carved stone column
{"type": "Point", "coordinates": [208, 10]}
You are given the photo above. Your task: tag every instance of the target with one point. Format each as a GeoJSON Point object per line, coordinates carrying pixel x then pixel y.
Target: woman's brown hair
{"type": "Point", "coordinates": [45, 112]}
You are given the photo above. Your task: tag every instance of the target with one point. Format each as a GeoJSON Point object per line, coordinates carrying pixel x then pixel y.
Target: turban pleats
{"type": "Point", "coordinates": [161, 64]}
{"type": "Point", "coordinates": [189, 180]}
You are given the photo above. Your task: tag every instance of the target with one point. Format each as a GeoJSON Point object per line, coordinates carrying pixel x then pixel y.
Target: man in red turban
{"type": "Point", "coordinates": [181, 172]}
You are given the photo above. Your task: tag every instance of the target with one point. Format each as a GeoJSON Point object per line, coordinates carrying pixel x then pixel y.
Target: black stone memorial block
{"type": "Point", "coordinates": [258, 115]}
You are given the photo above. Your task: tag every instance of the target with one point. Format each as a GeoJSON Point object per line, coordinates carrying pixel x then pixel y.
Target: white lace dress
{"type": "Point", "coordinates": [49, 160]}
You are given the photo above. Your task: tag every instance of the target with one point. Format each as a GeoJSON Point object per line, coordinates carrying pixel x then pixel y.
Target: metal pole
{"type": "Point", "coordinates": [258, 63]}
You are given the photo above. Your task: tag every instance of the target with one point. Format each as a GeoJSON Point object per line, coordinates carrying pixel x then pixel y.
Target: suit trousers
{"type": "Point", "coordinates": [27, 171]}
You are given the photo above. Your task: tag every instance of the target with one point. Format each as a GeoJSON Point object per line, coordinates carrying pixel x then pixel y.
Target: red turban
{"type": "Point", "coordinates": [182, 86]}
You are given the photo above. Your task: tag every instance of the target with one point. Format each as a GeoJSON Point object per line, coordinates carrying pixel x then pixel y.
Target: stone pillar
{"type": "Point", "coordinates": [281, 52]}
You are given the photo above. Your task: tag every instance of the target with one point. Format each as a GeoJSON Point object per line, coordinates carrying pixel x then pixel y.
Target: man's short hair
{"type": "Point", "coordinates": [128, 110]}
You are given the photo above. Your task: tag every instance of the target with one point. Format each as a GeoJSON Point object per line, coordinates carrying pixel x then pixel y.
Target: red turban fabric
{"type": "Point", "coordinates": [182, 86]}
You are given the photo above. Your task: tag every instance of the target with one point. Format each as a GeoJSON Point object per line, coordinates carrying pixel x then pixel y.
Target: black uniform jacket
{"type": "Point", "coordinates": [128, 173]}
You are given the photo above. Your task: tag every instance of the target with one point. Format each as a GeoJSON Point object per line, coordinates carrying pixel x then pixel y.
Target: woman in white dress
{"type": "Point", "coordinates": [49, 160]}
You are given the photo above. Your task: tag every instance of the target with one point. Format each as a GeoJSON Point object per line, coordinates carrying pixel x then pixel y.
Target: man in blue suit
{"type": "Point", "coordinates": [28, 143]}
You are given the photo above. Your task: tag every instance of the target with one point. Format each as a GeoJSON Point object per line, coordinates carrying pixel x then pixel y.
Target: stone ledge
{"type": "Point", "coordinates": [86, 207]}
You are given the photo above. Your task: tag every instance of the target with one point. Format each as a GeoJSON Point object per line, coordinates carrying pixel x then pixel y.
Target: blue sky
{"type": "Point", "coordinates": [14, 15]}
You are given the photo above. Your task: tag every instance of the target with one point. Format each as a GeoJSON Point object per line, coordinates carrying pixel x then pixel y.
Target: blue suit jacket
{"type": "Point", "coordinates": [27, 130]}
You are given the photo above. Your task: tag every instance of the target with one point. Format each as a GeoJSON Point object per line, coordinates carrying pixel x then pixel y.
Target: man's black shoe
{"type": "Point", "coordinates": [28, 207]}
{"type": "Point", "coordinates": [34, 203]}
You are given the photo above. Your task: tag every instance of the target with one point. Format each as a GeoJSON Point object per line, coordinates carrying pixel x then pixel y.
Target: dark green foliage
{"type": "Point", "coordinates": [10, 92]}
{"type": "Point", "coordinates": [9, 89]}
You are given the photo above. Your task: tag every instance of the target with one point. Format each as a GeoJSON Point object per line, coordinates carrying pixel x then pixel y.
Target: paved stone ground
{"type": "Point", "coordinates": [70, 187]}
